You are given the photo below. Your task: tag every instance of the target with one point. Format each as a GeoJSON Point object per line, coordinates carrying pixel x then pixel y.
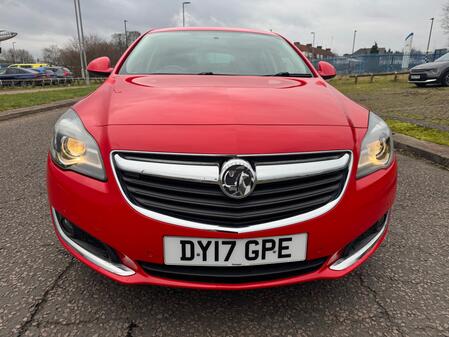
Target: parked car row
{"type": "Point", "coordinates": [36, 73]}
{"type": "Point", "coordinates": [29, 65]}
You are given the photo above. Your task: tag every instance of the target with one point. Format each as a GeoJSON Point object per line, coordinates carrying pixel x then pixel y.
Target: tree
{"type": "Point", "coordinates": [17, 56]}
{"type": "Point", "coordinates": [52, 55]}
{"type": "Point", "coordinates": [374, 49]}
{"type": "Point", "coordinates": [445, 21]}
{"type": "Point", "coordinates": [118, 39]}
{"type": "Point", "coordinates": [95, 46]}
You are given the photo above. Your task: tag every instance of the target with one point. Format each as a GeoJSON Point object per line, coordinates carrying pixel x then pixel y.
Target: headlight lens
{"type": "Point", "coordinates": [73, 148]}
{"type": "Point", "coordinates": [377, 147]}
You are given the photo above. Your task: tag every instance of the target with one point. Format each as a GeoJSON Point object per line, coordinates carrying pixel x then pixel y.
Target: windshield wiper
{"type": "Point", "coordinates": [287, 74]}
{"type": "Point", "coordinates": [217, 74]}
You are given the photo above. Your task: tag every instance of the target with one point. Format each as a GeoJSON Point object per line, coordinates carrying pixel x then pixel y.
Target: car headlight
{"type": "Point", "coordinates": [73, 148]}
{"type": "Point", "coordinates": [377, 147]}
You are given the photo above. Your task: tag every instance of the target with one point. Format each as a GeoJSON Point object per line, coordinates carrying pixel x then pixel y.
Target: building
{"type": "Point", "coordinates": [314, 53]}
{"type": "Point", "coordinates": [367, 51]}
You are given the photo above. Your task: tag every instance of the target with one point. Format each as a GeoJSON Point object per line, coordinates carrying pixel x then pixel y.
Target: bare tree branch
{"type": "Point", "coordinates": [17, 55]}
{"type": "Point", "coordinates": [445, 20]}
{"type": "Point", "coordinates": [68, 55]}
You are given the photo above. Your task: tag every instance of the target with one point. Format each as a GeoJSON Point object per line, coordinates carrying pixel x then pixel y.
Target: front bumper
{"type": "Point", "coordinates": [99, 209]}
{"type": "Point", "coordinates": [424, 78]}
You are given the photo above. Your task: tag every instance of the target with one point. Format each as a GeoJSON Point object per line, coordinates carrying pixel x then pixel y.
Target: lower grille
{"type": "Point", "coordinates": [233, 275]}
{"type": "Point", "coordinates": [365, 237]}
{"type": "Point", "coordinates": [418, 71]}
{"type": "Point", "coordinates": [87, 241]}
{"type": "Point", "coordinates": [205, 203]}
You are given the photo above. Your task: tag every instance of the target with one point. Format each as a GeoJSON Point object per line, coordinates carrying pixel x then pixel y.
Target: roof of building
{"type": "Point", "coordinates": [319, 50]}
{"type": "Point", "coordinates": [364, 51]}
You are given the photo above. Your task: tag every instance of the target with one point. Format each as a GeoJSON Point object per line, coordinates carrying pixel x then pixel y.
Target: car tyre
{"type": "Point", "coordinates": [445, 79]}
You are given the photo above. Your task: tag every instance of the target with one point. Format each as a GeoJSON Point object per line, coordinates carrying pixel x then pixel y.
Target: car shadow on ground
{"type": "Point", "coordinates": [323, 304]}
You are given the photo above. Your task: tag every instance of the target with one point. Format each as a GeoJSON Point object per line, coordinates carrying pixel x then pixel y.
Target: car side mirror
{"type": "Point", "coordinates": [326, 70]}
{"type": "Point", "coordinates": [100, 66]}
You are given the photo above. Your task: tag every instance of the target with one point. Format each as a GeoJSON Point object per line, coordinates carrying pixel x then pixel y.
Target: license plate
{"type": "Point", "coordinates": [227, 252]}
{"type": "Point", "coordinates": [415, 77]}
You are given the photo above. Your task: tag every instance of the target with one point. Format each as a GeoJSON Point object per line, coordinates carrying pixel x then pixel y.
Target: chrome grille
{"type": "Point", "coordinates": [185, 187]}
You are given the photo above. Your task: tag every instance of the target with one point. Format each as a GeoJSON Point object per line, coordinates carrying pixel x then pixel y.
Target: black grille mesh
{"type": "Point", "coordinates": [233, 275]}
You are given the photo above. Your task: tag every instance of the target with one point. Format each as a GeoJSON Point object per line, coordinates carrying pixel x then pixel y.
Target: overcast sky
{"type": "Point", "coordinates": [44, 22]}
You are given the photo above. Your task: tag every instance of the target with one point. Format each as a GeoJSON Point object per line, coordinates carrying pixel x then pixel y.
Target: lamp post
{"type": "Point", "coordinates": [83, 41]}
{"type": "Point", "coordinates": [430, 36]}
{"type": "Point", "coordinates": [353, 41]}
{"type": "Point", "coordinates": [126, 34]}
{"type": "Point", "coordinates": [80, 31]}
{"type": "Point", "coordinates": [183, 12]}
{"type": "Point", "coordinates": [313, 40]}
{"type": "Point", "coordinates": [79, 38]}
{"type": "Point", "coordinates": [14, 51]}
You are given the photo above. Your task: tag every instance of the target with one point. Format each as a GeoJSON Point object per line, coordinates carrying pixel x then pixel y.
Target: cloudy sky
{"type": "Point", "coordinates": [44, 22]}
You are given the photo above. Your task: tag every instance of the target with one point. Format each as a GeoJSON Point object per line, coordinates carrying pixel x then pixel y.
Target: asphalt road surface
{"type": "Point", "coordinates": [403, 290]}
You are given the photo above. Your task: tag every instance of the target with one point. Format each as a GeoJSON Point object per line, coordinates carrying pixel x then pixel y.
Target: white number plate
{"type": "Point", "coordinates": [227, 252]}
{"type": "Point", "coordinates": [415, 77]}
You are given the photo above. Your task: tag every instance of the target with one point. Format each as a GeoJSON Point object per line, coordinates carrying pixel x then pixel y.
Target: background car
{"type": "Point", "coordinates": [432, 72]}
{"type": "Point", "coordinates": [48, 75]}
{"type": "Point", "coordinates": [19, 76]}
{"type": "Point", "coordinates": [28, 65]}
{"type": "Point", "coordinates": [63, 74]}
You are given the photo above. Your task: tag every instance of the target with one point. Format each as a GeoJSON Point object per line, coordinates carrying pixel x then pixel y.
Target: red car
{"type": "Point", "coordinates": [219, 159]}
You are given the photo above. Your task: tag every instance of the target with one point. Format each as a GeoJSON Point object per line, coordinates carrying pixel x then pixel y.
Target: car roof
{"type": "Point", "coordinates": [28, 70]}
{"type": "Point", "coordinates": [220, 29]}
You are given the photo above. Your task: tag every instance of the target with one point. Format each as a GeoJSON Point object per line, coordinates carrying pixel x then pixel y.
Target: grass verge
{"type": "Point", "coordinates": [380, 83]}
{"type": "Point", "coordinates": [419, 132]}
{"type": "Point", "coordinates": [23, 100]}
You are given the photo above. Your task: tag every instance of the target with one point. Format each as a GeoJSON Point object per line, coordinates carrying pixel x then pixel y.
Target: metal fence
{"type": "Point", "coordinates": [51, 82]}
{"type": "Point", "coordinates": [376, 63]}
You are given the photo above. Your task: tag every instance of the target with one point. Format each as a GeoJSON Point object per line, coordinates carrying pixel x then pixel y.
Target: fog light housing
{"type": "Point", "coordinates": [356, 249]}
{"type": "Point", "coordinates": [92, 249]}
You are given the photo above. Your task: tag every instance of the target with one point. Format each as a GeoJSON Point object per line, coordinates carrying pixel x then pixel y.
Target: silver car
{"type": "Point", "coordinates": [433, 72]}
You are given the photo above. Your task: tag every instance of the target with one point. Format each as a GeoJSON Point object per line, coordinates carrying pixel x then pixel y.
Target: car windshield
{"type": "Point", "coordinates": [443, 58]}
{"type": "Point", "coordinates": [214, 53]}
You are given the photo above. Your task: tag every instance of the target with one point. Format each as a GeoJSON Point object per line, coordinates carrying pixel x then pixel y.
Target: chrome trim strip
{"type": "Point", "coordinates": [260, 227]}
{"type": "Point", "coordinates": [200, 173]}
{"type": "Point", "coordinates": [210, 173]}
{"type": "Point", "coordinates": [230, 154]}
{"type": "Point", "coordinates": [118, 269]}
{"type": "Point", "coordinates": [426, 81]}
{"type": "Point", "coordinates": [268, 173]}
{"type": "Point", "coordinates": [344, 263]}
